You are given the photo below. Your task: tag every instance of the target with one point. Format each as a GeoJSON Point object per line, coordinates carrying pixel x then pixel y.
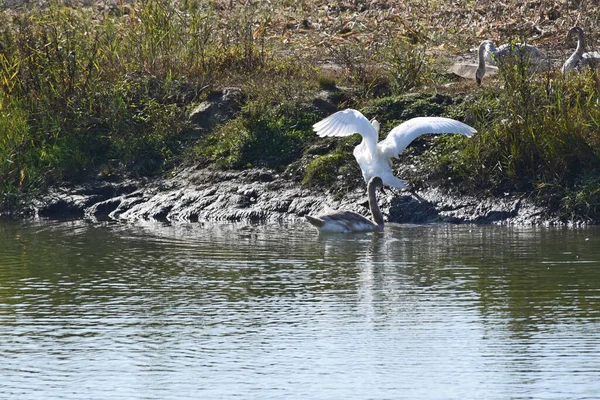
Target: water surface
{"type": "Point", "coordinates": [237, 311]}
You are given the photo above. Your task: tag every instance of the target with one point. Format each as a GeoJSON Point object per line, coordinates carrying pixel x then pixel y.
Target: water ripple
{"type": "Point", "coordinates": [225, 311]}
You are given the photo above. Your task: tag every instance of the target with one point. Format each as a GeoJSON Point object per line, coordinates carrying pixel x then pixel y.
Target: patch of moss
{"type": "Point", "coordinates": [326, 82]}
{"type": "Point", "coordinates": [336, 170]}
{"type": "Point", "coordinates": [323, 170]}
{"type": "Point", "coordinates": [272, 139]}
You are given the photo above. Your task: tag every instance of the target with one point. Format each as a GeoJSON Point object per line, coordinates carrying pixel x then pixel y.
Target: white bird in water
{"type": "Point", "coordinates": [350, 221]}
{"type": "Point", "coordinates": [580, 59]}
{"type": "Point", "coordinates": [375, 159]}
{"type": "Point", "coordinates": [488, 54]}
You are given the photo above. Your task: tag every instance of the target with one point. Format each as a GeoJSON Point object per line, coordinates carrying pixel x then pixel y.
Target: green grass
{"type": "Point", "coordinates": [258, 138]}
{"type": "Point", "coordinates": [330, 170]}
{"type": "Point", "coordinates": [84, 92]}
{"type": "Point", "coordinates": [538, 136]}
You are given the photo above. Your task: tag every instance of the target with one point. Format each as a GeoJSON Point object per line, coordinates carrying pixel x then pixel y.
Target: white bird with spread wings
{"type": "Point", "coordinates": [375, 158]}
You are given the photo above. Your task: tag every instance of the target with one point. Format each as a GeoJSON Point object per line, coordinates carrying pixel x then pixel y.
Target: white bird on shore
{"type": "Point", "coordinates": [580, 59]}
{"type": "Point", "coordinates": [375, 159]}
{"type": "Point", "coordinates": [350, 221]}
{"type": "Point", "coordinates": [495, 55]}
{"type": "Point", "coordinates": [490, 55]}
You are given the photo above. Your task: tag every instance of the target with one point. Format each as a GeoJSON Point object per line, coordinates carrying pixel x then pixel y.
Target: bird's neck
{"type": "Point", "coordinates": [374, 206]}
{"type": "Point", "coordinates": [580, 43]}
{"type": "Point", "coordinates": [481, 56]}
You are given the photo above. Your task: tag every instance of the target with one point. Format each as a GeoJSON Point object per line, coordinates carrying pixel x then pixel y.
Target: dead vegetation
{"type": "Point", "coordinates": [313, 29]}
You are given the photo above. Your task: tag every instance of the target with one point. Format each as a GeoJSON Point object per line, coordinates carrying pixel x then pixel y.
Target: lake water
{"type": "Point", "coordinates": [239, 311]}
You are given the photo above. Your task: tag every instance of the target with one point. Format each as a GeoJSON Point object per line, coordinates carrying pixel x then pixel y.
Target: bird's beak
{"type": "Point", "coordinates": [383, 191]}
{"type": "Point", "coordinates": [478, 79]}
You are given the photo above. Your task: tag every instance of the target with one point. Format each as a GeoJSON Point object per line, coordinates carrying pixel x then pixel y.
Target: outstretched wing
{"type": "Point", "coordinates": [403, 134]}
{"type": "Point", "coordinates": [346, 123]}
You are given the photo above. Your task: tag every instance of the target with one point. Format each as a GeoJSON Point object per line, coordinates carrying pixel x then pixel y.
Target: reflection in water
{"type": "Point", "coordinates": [277, 311]}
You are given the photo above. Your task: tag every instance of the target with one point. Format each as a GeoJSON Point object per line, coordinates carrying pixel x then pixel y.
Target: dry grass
{"type": "Point", "coordinates": [311, 29]}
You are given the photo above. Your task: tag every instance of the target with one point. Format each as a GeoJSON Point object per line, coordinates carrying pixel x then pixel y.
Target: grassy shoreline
{"type": "Point", "coordinates": [106, 91]}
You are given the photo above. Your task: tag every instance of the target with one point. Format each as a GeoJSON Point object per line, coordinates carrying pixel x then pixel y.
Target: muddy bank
{"type": "Point", "coordinates": [210, 194]}
{"type": "Point", "coordinates": [263, 195]}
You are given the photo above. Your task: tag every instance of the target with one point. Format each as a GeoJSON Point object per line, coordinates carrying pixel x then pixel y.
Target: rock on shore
{"type": "Point", "coordinates": [263, 195]}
